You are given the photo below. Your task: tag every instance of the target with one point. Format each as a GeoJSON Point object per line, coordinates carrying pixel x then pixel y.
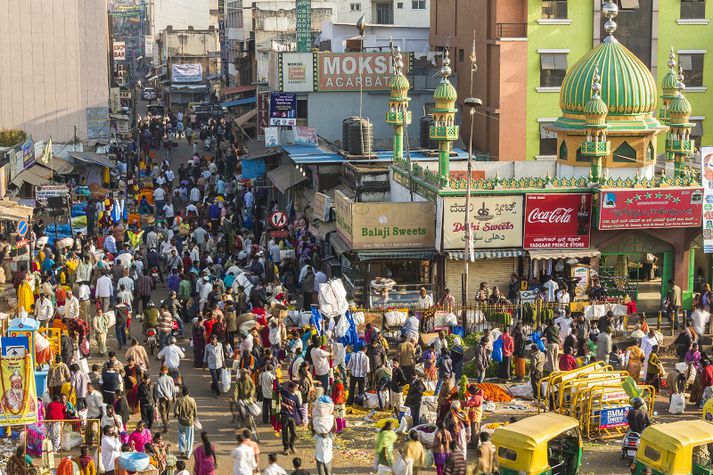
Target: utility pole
{"type": "Point", "coordinates": [470, 103]}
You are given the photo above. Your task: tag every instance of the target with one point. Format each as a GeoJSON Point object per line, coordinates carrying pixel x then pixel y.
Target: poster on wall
{"type": "Point", "coordinates": [296, 72]}
{"type": "Point", "coordinates": [119, 50]}
{"type": "Point", "coordinates": [343, 212]}
{"type": "Point", "coordinates": [557, 220]}
{"type": "Point", "coordinates": [283, 109]}
{"type": "Point", "coordinates": [707, 178]}
{"type": "Point", "coordinates": [97, 122]}
{"type": "Point", "coordinates": [19, 398]}
{"type": "Point", "coordinates": [305, 135]}
{"type": "Point", "coordinates": [650, 208]}
{"type": "Point", "coordinates": [272, 137]}
{"type": "Point", "coordinates": [355, 71]}
{"type": "Point", "coordinates": [190, 72]}
{"type": "Point", "coordinates": [495, 222]}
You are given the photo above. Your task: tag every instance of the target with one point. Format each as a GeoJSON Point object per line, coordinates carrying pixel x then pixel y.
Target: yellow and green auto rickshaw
{"type": "Point", "coordinates": [676, 448]}
{"type": "Point", "coordinates": [545, 444]}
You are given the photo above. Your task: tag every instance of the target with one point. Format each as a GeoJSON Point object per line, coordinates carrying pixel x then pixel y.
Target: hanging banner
{"type": "Point", "coordinates": [283, 109]}
{"type": "Point", "coordinates": [272, 137]}
{"type": "Point", "coordinates": [557, 220]}
{"type": "Point", "coordinates": [304, 25]}
{"type": "Point", "coordinates": [263, 112]}
{"type": "Point", "coordinates": [495, 221]}
{"type": "Point", "coordinates": [707, 178]}
{"type": "Point", "coordinates": [305, 135]}
{"type": "Point", "coordinates": [18, 402]}
{"type": "Point", "coordinates": [650, 208]}
{"type": "Point", "coordinates": [355, 71]}
{"type": "Point", "coordinates": [191, 72]}
{"type": "Point", "coordinates": [119, 51]}
{"type": "Point", "coordinates": [148, 46]}
{"type": "Point", "coordinates": [28, 153]}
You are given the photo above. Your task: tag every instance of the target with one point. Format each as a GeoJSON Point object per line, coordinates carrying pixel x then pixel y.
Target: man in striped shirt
{"type": "Point", "coordinates": [358, 367]}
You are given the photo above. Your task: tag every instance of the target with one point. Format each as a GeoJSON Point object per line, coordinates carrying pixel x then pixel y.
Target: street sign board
{"type": "Point", "coordinates": [278, 220]}
{"type": "Point", "coordinates": [22, 227]}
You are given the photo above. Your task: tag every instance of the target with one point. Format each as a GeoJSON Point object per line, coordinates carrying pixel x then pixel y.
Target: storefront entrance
{"type": "Point", "coordinates": [638, 265]}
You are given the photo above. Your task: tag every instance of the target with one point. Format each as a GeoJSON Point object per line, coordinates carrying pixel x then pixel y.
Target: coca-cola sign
{"type": "Point", "coordinates": [557, 220]}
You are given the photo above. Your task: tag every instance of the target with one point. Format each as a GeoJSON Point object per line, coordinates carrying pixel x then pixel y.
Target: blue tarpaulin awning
{"type": "Point", "coordinates": [240, 102]}
{"type": "Point", "coordinates": [254, 168]}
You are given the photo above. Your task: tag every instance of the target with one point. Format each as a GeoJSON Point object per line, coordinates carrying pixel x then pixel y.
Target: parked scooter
{"type": "Point", "coordinates": [629, 446]}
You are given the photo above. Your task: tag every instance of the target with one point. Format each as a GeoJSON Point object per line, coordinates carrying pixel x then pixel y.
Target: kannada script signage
{"type": "Point", "coordinates": [707, 179]}
{"type": "Point", "coordinates": [355, 71]}
{"type": "Point", "coordinates": [495, 221]}
{"type": "Point", "coordinates": [557, 220]}
{"type": "Point", "coordinates": [650, 208]}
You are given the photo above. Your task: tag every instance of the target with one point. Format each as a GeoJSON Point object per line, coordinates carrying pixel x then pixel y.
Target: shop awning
{"type": "Point", "coordinates": [487, 254]}
{"type": "Point", "coordinates": [93, 159]}
{"type": "Point", "coordinates": [396, 254]}
{"type": "Point", "coordinates": [34, 176]}
{"type": "Point", "coordinates": [285, 177]}
{"type": "Point", "coordinates": [188, 87]}
{"type": "Point", "coordinates": [14, 211]}
{"type": "Point", "coordinates": [61, 166]}
{"type": "Point", "coordinates": [240, 102]}
{"type": "Point", "coordinates": [325, 228]}
{"type": "Point", "coordinates": [562, 253]}
{"type": "Point", "coordinates": [339, 246]}
{"type": "Point", "coordinates": [238, 89]}
{"type": "Point", "coordinates": [245, 117]}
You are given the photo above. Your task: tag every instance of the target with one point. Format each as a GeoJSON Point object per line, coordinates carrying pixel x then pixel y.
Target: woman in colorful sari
{"type": "Point", "coordinates": [385, 446]}
{"type": "Point", "coordinates": [338, 397]}
{"type": "Point", "coordinates": [429, 363]}
{"type": "Point", "coordinates": [140, 437]}
{"type": "Point", "coordinates": [633, 360]}
{"type": "Point", "coordinates": [131, 381]}
{"type": "Point", "coordinates": [199, 342]}
{"type": "Point", "coordinates": [457, 424]}
{"type": "Point", "coordinates": [445, 397]}
{"type": "Point", "coordinates": [205, 461]}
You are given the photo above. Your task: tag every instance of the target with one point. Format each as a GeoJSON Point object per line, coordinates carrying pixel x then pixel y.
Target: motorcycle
{"type": "Point", "coordinates": [152, 339]}
{"type": "Point", "coordinates": [629, 446]}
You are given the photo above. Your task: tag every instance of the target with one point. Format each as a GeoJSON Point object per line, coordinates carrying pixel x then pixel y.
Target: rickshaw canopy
{"type": "Point", "coordinates": [668, 448]}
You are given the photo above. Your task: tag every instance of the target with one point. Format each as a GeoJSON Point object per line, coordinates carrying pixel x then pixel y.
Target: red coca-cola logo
{"type": "Point", "coordinates": [555, 216]}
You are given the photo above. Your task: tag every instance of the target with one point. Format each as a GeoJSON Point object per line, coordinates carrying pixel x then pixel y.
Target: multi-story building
{"type": "Point", "coordinates": [55, 75]}
{"type": "Point", "coordinates": [405, 22]}
{"type": "Point", "coordinates": [554, 34]}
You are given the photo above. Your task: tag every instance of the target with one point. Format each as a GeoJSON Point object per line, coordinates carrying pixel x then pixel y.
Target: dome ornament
{"type": "Point", "coordinates": [671, 60]}
{"type": "Point", "coordinates": [446, 68]}
{"type": "Point", "coordinates": [610, 10]}
{"type": "Point", "coordinates": [596, 85]}
{"type": "Point", "coordinates": [681, 84]}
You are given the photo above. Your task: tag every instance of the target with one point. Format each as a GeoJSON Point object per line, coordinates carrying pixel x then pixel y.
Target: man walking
{"type": "Point", "coordinates": [165, 393]}
{"type": "Point", "coordinates": [186, 412]}
{"type": "Point", "coordinates": [214, 360]}
{"type": "Point", "coordinates": [358, 367]}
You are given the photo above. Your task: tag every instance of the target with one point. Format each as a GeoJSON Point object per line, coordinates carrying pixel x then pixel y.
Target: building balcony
{"type": "Point", "coordinates": [396, 118]}
{"type": "Point", "coordinates": [596, 149]}
{"type": "Point", "coordinates": [444, 133]}
{"type": "Point", "coordinates": [680, 147]}
{"type": "Point", "coordinates": [511, 30]}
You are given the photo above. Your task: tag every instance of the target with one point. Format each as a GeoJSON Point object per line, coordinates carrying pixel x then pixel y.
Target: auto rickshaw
{"type": "Point", "coordinates": [544, 444]}
{"type": "Point", "coordinates": [676, 448]}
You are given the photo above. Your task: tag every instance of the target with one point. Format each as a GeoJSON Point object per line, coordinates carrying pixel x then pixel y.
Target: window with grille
{"type": "Point", "coordinates": [693, 9]}
{"type": "Point", "coordinates": [355, 7]}
{"type": "Point", "coordinates": [554, 9]}
{"type": "Point", "coordinates": [418, 4]}
{"type": "Point", "coordinates": [692, 64]}
{"type": "Point", "coordinates": [553, 67]}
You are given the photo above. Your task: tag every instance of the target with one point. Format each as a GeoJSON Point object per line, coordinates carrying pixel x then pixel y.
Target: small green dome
{"type": "Point", "coordinates": [669, 84]}
{"type": "Point", "coordinates": [628, 88]}
{"type": "Point", "coordinates": [445, 92]}
{"type": "Point", "coordinates": [399, 82]}
{"type": "Point", "coordinates": [596, 107]}
{"type": "Point", "coordinates": [679, 105]}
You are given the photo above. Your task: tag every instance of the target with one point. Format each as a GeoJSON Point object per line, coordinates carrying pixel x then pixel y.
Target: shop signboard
{"type": "Point", "coordinates": [643, 208]}
{"type": "Point", "coordinates": [114, 100]}
{"type": "Point", "coordinates": [343, 211]}
{"type": "Point", "coordinates": [185, 73]}
{"type": "Point", "coordinates": [304, 25]}
{"type": "Point", "coordinates": [148, 46]}
{"type": "Point", "coordinates": [296, 72]}
{"type": "Point", "coordinates": [322, 204]}
{"type": "Point", "coordinates": [355, 71]}
{"type": "Point", "coordinates": [119, 50]}
{"type": "Point", "coordinates": [388, 225]}
{"type": "Point", "coordinates": [557, 220]}
{"type": "Point", "coordinates": [283, 109]}
{"type": "Point", "coordinates": [707, 178]}
{"type": "Point", "coordinates": [28, 153]}
{"type": "Point", "coordinates": [305, 135]}
{"type": "Point", "coordinates": [43, 192]}
{"type": "Point", "coordinates": [495, 222]}
{"type": "Point", "coordinates": [614, 417]}
{"type": "Point", "coordinates": [263, 111]}
{"type": "Point", "coordinates": [19, 397]}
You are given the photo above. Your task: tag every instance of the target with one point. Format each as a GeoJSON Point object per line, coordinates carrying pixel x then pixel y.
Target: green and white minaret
{"type": "Point", "coordinates": [444, 130]}
{"type": "Point", "coordinates": [679, 145]}
{"type": "Point", "coordinates": [398, 114]}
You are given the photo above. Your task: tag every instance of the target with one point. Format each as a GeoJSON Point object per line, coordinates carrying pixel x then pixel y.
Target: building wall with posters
{"type": "Point", "coordinates": [55, 73]}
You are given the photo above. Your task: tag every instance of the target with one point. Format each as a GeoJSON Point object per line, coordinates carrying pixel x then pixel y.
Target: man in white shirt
{"type": "Point", "coordinates": [275, 253]}
{"type": "Point", "coordinates": [152, 239]}
{"type": "Point", "coordinates": [71, 306]}
{"type": "Point", "coordinates": [358, 367]}
{"type": "Point", "coordinates": [319, 278]}
{"type": "Point", "coordinates": [95, 403]}
{"type": "Point", "coordinates": [249, 199]}
{"type": "Point", "coordinates": [551, 288]}
{"type": "Point", "coordinates": [273, 468]}
{"type": "Point", "coordinates": [44, 311]}
{"type": "Point", "coordinates": [171, 355]}
{"type": "Point", "coordinates": [110, 449]}
{"type": "Point", "coordinates": [195, 194]}
{"type": "Point", "coordinates": [564, 323]}
{"type": "Point", "coordinates": [320, 360]}
{"type": "Point", "coordinates": [104, 291]}
{"type": "Point", "coordinates": [199, 235]}
{"type": "Point", "coordinates": [244, 458]}
{"type": "Point", "coordinates": [424, 300]}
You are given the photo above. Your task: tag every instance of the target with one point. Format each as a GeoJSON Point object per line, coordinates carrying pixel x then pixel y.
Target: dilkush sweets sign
{"type": "Point", "coordinates": [388, 225]}
{"type": "Point", "coordinates": [557, 220]}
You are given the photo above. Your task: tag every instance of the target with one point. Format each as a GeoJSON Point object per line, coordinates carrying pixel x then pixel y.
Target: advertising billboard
{"type": "Point", "coordinates": [557, 220]}
{"type": "Point", "coordinates": [640, 208]}
{"type": "Point", "coordinates": [495, 222]}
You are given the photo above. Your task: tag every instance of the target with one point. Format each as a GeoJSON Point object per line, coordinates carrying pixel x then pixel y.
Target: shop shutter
{"type": "Point", "coordinates": [493, 271]}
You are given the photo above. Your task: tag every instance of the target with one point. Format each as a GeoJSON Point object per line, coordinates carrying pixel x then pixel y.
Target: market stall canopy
{"type": "Point", "coordinates": [36, 175]}
{"type": "Point", "coordinates": [93, 159]}
{"type": "Point", "coordinates": [240, 102]}
{"type": "Point", "coordinates": [13, 211]}
{"type": "Point", "coordinates": [391, 254]}
{"type": "Point", "coordinates": [285, 177]}
{"type": "Point", "coordinates": [61, 166]}
{"type": "Point", "coordinates": [563, 253]}
{"type": "Point", "coordinates": [487, 254]}
{"type": "Point", "coordinates": [188, 87]}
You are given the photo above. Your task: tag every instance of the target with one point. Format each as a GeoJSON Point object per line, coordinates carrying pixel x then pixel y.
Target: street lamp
{"type": "Point", "coordinates": [471, 104]}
